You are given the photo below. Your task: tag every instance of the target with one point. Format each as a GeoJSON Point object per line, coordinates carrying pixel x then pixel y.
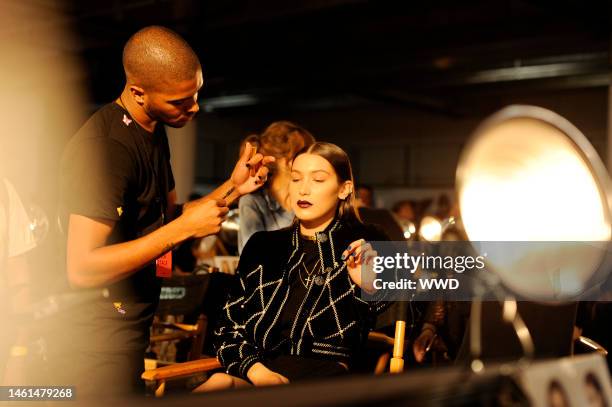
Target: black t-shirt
{"type": "Point", "coordinates": [113, 169]}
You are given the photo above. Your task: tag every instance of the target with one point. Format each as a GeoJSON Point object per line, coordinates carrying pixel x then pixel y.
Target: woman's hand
{"type": "Point", "coordinates": [260, 375]}
{"type": "Point", "coordinates": [359, 257]}
{"type": "Point", "coordinates": [250, 171]}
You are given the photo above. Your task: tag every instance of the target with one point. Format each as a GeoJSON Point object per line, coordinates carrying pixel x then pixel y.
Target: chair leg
{"type": "Point", "coordinates": [381, 364]}
{"type": "Point", "coordinates": [198, 341]}
{"type": "Point", "coordinates": [397, 361]}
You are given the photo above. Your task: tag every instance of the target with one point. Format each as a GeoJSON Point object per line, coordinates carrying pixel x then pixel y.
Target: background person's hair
{"type": "Point", "coordinates": [252, 139]}
{"type": "Point", "coordinates": [282, 139]}
{"type": "Point", "coordinates": [341, 163]}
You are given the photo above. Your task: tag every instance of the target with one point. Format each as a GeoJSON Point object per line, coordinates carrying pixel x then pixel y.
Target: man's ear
{"type": "Point", "coordinates": [345, 190]}
{"type": "Point", "coordinates": [138, 93]}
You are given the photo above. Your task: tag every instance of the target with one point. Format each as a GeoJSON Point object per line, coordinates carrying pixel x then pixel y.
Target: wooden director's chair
{"type": "Point", "coordinates": [393, 352]}
{"type": "Point", "coordinates": [179, 317]}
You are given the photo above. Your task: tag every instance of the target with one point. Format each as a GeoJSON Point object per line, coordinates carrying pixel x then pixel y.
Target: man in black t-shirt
{"type": "Point", "coordinates": [117, 205]}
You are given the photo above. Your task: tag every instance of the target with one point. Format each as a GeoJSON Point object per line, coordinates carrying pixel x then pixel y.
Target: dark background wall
{"type": "Point", "coordinates": [398, 84]}
{"type": "Point", "coordinates": [393, 146]}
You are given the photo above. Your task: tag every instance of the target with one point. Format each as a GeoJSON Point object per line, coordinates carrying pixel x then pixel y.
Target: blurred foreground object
{"type": "Point", "coordinates": [524, 170]}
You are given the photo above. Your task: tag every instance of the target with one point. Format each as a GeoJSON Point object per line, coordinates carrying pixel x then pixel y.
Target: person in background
{"type": "Point", "coordinates": [269, 208]}
{"type": "Point", "coordinates": [16, 239]}
{"type": "Point", "coordinates": [443, 207]}
{"type": "Point", "coordinates": [365, 196]}
{"type": "Point", "coordinates": [404, 211]}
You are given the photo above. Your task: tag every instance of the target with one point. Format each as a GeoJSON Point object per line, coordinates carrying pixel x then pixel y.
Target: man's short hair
{"type": "Point", "coordinates": [156, 56]}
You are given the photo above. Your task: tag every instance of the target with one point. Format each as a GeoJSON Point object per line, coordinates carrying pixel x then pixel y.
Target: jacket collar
{"type": "Point", "coordinates": [329, 242]}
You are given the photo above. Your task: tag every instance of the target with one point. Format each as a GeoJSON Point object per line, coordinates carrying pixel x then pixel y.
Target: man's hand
{"type": "Point", "coordinates": [203, 216]}
{"type": "Point", "coordinates": [250, 171]}
{"type": "Point", "coordinates": [359, 257]}
{"type": "Point", "coordinates": [260, 375]}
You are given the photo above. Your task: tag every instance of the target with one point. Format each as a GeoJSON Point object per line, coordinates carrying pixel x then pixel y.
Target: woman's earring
{"type": "Point", "coordinates": [346, 196]}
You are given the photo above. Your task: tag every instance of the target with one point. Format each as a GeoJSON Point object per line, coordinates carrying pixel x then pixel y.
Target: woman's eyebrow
{"type": "Point", "coordinates": [312, 172]}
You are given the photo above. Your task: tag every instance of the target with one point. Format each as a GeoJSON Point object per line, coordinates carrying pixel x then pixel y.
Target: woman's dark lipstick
{"type": "Point", "coordinates": [304, 204]}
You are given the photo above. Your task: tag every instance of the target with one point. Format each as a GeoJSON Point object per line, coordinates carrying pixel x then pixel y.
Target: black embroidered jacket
{"type": "Point", "coordinates": [332, 321]}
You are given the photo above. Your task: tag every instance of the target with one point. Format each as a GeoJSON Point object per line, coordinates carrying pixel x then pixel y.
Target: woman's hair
{"type": "Point", "coordinates": [341, 163]}
{"type": "Point", "coordinates": [280, 139]}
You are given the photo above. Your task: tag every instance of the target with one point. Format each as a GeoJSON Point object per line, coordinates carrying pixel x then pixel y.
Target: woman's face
{"type": "Point", "coordinates": [314, 189]}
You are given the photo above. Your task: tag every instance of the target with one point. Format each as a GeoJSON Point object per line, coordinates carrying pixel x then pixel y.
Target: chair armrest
{"type": "Point", "coordinates": [175, 325]}
{"type": "Point", "coordinates": [377, 337]}
{"type": "Point", "coordinates": [181, 369]}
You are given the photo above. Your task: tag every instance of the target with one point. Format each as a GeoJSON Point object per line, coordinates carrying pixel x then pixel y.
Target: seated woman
{"type": "Point", "coordinates": [297, 310]}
